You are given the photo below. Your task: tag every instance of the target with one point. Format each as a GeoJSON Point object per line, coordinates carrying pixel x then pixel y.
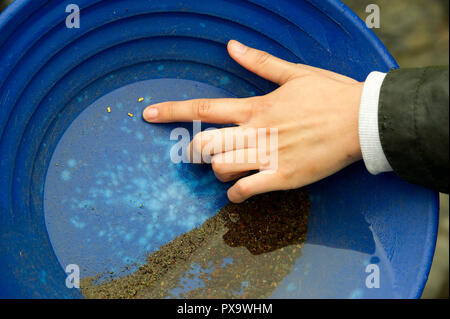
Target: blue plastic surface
{"type": "Point", "coordinates": [55, 83]}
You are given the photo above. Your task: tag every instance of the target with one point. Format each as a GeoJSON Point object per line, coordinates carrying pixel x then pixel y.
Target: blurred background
{"type": "Point", "coordinates": [4, 4]}
{"type": "Point", "coordinates": [416, 32]}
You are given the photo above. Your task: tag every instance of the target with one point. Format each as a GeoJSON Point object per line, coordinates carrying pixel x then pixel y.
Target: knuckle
{"type": "Point", "coordinates": [257, 106]}
{"type": "Point", "coordinates": [253, 109]}
{"type": "Point", "coordinates": [170, 111]}
{"type": "Point", "coordinates": [263, 105]}
{"type": "Point", "coordinates": [218, 167]}
{"type": "Point", "coordinates": [222, 177]}
{"type": "Point", "coordinates": [262, 58]}
{"type": "Point", "coordinates": [286, 178]}
{"type": "Point", "coordinates": [202, 108]}
{"type": "Point", "coordinates": [285, 174]}
{"type": "Point", "coordinates": [241, 188]}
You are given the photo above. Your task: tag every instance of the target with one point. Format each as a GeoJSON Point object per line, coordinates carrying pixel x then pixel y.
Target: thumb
{"type": "Point", "coordinates": [262, 63]}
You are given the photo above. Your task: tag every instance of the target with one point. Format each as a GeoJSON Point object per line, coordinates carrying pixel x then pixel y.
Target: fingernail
{"type": "Point", "coordinates": [238, 47]}
{"type": "Point", "coordinates": [151, 113]}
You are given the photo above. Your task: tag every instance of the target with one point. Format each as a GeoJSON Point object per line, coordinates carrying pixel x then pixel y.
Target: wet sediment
{"type": "Point", "coordinates": [244, 251]}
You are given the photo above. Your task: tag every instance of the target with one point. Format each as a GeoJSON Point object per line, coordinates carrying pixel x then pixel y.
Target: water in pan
{"type": "Point", "coordinates": [112, 195]}
{"type": "Point", "coordinates": [112, 191]}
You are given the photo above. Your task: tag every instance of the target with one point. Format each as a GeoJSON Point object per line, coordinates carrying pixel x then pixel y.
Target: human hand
{"type": "Point", "coordinates": [315, 112]}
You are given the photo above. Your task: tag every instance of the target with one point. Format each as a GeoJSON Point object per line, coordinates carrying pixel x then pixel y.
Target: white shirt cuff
{"type": "Point", "coordinates": [369, 136]}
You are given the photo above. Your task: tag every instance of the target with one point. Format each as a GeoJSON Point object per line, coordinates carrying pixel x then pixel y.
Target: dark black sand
{"type": "Point", "coordinates": [244, 251]}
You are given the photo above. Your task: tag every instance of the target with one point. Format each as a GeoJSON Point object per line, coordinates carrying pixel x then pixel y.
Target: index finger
{"type": "Point", "coordinates": [220, 111]}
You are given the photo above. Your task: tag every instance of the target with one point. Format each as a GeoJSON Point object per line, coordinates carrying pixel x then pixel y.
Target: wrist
{"type": "Point", "coordinates": [354, 148]}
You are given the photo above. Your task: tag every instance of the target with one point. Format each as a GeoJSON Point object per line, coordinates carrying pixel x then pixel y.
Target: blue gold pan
{"type": "Point", "coordinates": [84, 181]}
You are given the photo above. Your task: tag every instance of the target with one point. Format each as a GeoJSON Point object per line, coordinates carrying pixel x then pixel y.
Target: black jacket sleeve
{"type": "Point", "coordinates": [413, 117]}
